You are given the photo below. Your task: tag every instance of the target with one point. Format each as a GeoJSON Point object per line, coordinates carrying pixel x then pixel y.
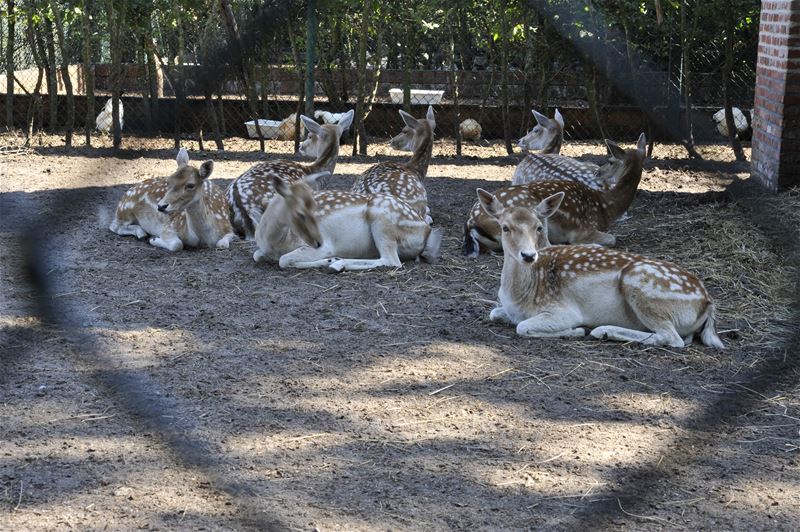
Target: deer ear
{"type": "Point", "coordinates": [206, 169]}
{"type": "Point", "coordinates": [314, 180]}
{"type": "Point", "coordinates": [430, 116]}
{"type": "Point", "coordinates": [346, 120]}
{"type": "Point", "coordinates": [558, 118]}
{"type": "Point", "coordinates": [281, 187]}
{"type": "Point", "coordinates": [615, 150]}
{"type": "Point", "coordinates": [490, 204]}
{"type": "Point", "coordinates": [409, 120]}
{"type": "Point", "coordinates": [540, 118]}
{"type": "Point", "coordinates": [548, 206]}
{"type": "Point", "coordinates": [183, 158]}
{"type": "Point", "coordinates": [311, 125]}
{"type": "Point", "coordinates": [641, 144]}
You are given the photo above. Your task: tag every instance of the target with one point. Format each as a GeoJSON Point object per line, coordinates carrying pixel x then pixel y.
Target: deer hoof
{"type": "Point", "coordinates": [337, 266]}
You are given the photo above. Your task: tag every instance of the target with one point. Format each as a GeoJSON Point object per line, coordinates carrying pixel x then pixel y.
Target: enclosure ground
{"type": "Point", "coordinates": [382, 400]}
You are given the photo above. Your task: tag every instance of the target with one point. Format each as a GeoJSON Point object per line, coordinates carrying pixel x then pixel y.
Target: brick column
{"type": "Point", "coordinates": [776, 121]}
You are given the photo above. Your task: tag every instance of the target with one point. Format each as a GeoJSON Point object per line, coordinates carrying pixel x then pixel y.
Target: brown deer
{"type": "Point", "coordinates": [250, 193]}
{"type": "Point", "coordinates": [341, 230]}
{"type": "Point", "coordinates": [548, 165]}
{"type": "Point", "coordinates": [584, 214]}
{"type": "Point", "coordinates": [558, 291]}
{"type": "Point", "coordinates": [182, 210]}
{"type": "Point", "coordinates": [404, 180]}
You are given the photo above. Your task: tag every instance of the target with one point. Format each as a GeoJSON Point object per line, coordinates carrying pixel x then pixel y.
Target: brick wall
{"type": "Point", "coordinates": [776, 124]}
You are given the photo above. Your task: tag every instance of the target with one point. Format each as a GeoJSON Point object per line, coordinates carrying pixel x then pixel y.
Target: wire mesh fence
{"type": "Point", "coordinates": [214, 70]}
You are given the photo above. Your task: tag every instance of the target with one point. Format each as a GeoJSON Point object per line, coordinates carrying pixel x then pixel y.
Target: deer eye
{"type": "Point", "coordinates": [189, 186]}
{"type": "Point", "coordinates": [301, 216]}
{"type": "Point", "coordinates": [539, 229]}
{"type": "Point", "coordinates": [506, 229]}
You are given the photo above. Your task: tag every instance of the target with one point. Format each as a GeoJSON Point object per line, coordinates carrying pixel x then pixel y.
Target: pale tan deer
{"type": "Point", "coordinates": [250, 193]}
{"type": "Point", "coordinates": [585, 214]}
{"type": "Point", "coordinates": [340, 230]}
{"type": "Point", "coordinates": [558, 291]}
{"type": "Point", "coordinates": [404, 180]}
{"type": "Point", "coordinates": [548, 165]}
{"type": "Point", "coordinates": [182, 210]}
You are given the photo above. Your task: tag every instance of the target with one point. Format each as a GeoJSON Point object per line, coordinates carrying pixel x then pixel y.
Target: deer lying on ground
{"type": "Point", "coordinates": [250, 193]}
{"type": "Point", "coordinates": [548, 165]}
{"type": "Point", "coordinates": [585, 213]}
{"type": "Point", "coordinates": [557, 291]}
{"type": "Point", "coordinates": [182, 210]}
{"type": "Point", "coordinates": [341, 230]}
{"type": "Point", "coordinates": [404, 180]}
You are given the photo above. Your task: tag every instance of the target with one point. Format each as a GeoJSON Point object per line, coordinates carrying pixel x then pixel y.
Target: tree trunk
{"type": "Point", "coordinates": [366, 13]}
{"type": "Point", "coordinates": [504, 75]}
{"type": "Point", "coordinates": [311, 45]}
{"type": "Point", "coordinates": [378, 67]}
{"type": "Point", "coordinates": [88, 71]}
{"type": "Point", "coordinates": [115, 23]}
{"type": "Point", "coordinates": [454, 84]}
{"type": "Point", "coordinates": [51, 74]}
{"type": "Point", "coordinates": [10, 44]}
{"type": "Point", "coordinates": [726, 82]}
{"type": "Point", "coordinates": [70, 126]}
{"type": "Point", "coordinates": [35, 104]}
{"type": "Point", "coordinates": [686, 83]}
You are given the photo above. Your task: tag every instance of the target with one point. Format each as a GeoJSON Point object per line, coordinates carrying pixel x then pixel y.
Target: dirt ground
{"type": "Point", "coordinates": [379, 400]}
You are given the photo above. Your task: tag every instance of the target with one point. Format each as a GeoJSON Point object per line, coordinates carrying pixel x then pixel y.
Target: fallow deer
{"type": "Point", "coordinates": [547, 165]}
{"type": "Point", "coordinates": [585, 213]}
{"type": "Point", "coordinates": [182, 210]}
{"type": "Point", "coordinates": [404, 180]}
{"type": "Point", "coordinates": [558, 291]}
{"type": "Point", "coordinates": [341, 230]}
{"type": "Point", "coordinates": [250, 193]}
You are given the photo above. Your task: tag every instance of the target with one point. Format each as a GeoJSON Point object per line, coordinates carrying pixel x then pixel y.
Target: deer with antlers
{"type": "Point", "coordinates": [404, 180]}
{"type": "Point", "coordinates": [182, 210]}
{"type": "Point", "coordinates": [250, 193]}
{"type": "Point", "coordinates": [558, 291]}
{"type": "Point", "coordinates": [340, 230]}
{"type": "Point", "coordinates": [585, 213]}
{"type": "Point", "coordinates": [548, 164]}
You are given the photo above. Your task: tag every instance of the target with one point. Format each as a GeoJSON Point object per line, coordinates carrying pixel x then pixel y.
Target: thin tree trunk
{"type": "Point", "coordinates": [726, 82]}
{"type": "Point", "coordinates": [366, 13]}
{"type": "Point", "coordinates": [88, 70]}
{"type": "Point", "coordinates": [212, 116]}
{"type": "Point", "coordinates": [70, 126]}
{"type": "Point", "coordinates": [378, 67]}
{"type": "Point", "coordinates": [115, 23]}
{"type": "Point", "coordinates": [35, 104]}
{"type": "Point", "coordinates": [454, 84]}
{"type": "Point", "coordinates": [686, 84]}
{"type": "Point", "coordinates": [10, 44]}
{"type": "Point", "coordinates": [311, 45]}
{"type": "Point", "coordinates": [406, 75]}
{"type": "Point", "coordinates": [51, 74]}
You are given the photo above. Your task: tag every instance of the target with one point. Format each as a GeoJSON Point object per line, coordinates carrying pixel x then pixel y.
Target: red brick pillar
{"type": "Point", "coordinates": [776, 123]}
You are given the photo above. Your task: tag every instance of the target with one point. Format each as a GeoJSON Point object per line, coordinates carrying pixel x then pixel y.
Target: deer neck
{"type": "Point", "coordinates": [620, 197]}
{"type": "Point", "coordinates": [423, 150]}
{"type": "Point", "coordinates": [518, 283]}
{"type": "Point", "coordinates": [554, 146]}
{"type": "Point", "coordinates": [277, 238]}
{"type": "Point", "coordinates": [327, 158]}
{"type": "Point", "coordinates": [198, 216]}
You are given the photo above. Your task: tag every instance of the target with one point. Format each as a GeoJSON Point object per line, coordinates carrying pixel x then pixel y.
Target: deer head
{"type": "Point", "coordinates": [524, 230]}
{"type": "Point", "coordinates": [185, 186]}
{"type": "Point", "coordinates": [543, 133]}
{"type": "Point", "coordinates": [322, 137]}
{"type": "Point", "coordinates": [413, 132]}
{"type": "Point", "coordinates": [300, 205]}
{"type": "Point", "coordinates": [621, 160]}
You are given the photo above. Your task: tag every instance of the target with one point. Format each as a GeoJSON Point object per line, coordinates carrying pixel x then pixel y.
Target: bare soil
{"type": "Point", "coordinates": [378, 400]}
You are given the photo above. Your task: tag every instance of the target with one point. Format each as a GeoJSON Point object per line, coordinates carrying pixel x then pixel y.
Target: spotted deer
{"type": "Point", "coordinates": [548, 165]}
{"type": "Point", "coordinates": [404, 180]}
{"type": "Point", "coordinates": [558, 291]}
{"type": "Point", "coordinates": [250, 193]}
{"type": "Point", "coordinates": [341, 230]}
{"type": "Point", "coordinates": [182, 210]}
{"type": "Point", "coordinates": [585, 212]}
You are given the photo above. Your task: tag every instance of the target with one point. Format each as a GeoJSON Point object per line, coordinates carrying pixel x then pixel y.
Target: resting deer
{"type": "Point", "coordinates": [341, 230]}
{"type": "Point", "coordinates": [585, 213]}
{"type": "Point", "coordinates": [404, 180]}
{"type": "Point", "coordinates": [548, 165]}
{"type": "Point", "coordinates": [557, 291]}
{"type": "Point", "coordinates": [250, 193]}
{"type": "Point", "coordinates": [182, 210]}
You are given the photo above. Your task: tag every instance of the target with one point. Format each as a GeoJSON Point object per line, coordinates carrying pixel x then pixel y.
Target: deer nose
{"type": "Point", "coordinates": [528, 257]}
{"type": "Point", "coordinates": [163, 208]}
{"type": "Point", "coordinates": [319, 244]}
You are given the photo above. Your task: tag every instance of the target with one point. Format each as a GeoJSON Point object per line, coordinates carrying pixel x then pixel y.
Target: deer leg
{"type": "Point", "coordinates": [500, 314]}
{"type": "Point", "coordinates": [128, 230]}
{"type": "Point", "coordinates": [596, 237]}
{"type": "Point", "coordinates": [622, 334]}
{"type": "Point", "coordinates": [387, 248]}
{"type": "Point", "coordinates": [170, 243]}
{"type": "Point", "coordinates": [225, 241]}
{"type": "Point", "coordinates": [552, 323]}
{"type": "Point", "coordinates": [306, 257]}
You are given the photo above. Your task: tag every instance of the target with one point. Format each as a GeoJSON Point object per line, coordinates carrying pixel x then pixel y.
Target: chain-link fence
{"type": "Point", "coordinates": [216, 69]}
